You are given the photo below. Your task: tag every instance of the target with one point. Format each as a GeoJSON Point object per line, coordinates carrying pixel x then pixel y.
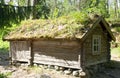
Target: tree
{"type": "Point", "coordinates": [40, 10]}
{"type": "Point", "coordinates": [2, 2]}
{"type": "Point", "coordinates": [116, 8]}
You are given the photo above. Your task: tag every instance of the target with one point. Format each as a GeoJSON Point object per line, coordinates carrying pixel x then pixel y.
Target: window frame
{"type": "Point", "coordinates": [96, 44]}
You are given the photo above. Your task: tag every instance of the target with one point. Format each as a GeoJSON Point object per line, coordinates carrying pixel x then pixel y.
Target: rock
{"type": "Point", "coordinates": [57, 68]}
{"type": "Point", "coordinates": [35, 64]}
{"type": "Point", "coordinates": [82, 74]}
{"type": "Point", "coordinates": [76, 73]}
{"type": "Point", "coordinates": [22, 64]}
{"type": "Point", "coordinates": [18, 64]}
{"type": "Point", "coordinates": [45, 76]}
{"type": "Point", "coordinates": [62, 68]}
{"type": "Point", "coordinates": [45, 66]}
{"type": "Point", "coordinates": [68, 72]}
{"type": "Point", "coordinates": [41, 66]}
{"type": "Point", "coordinates": [50, 66]}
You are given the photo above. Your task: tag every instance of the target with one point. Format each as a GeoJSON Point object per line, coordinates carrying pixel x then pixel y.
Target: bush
{"type": "Point", "coordinates": [3, 76]}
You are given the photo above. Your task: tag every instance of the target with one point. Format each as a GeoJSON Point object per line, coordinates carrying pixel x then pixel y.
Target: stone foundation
{"type": "Point", "coordinates": [88, 72]}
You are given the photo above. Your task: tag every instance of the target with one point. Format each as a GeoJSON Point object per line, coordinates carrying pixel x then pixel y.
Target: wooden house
{"type": "Point", "coordinates": [62, 42]}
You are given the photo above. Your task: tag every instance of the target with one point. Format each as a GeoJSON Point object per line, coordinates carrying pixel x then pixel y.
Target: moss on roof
{"type": "Point", "coordinates": [71, 26]}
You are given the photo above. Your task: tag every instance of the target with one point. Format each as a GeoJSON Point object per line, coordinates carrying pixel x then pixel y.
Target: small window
{"type": "Point", "coordinates": [96, 46]}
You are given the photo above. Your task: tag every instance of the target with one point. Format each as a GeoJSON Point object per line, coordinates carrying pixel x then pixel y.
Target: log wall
{"type": "Point", "coordinates": [89, 57]}
{"type": "Point", "coordinates": [61, 53]}
{"type": "Point", "coordinates": [19, 50]}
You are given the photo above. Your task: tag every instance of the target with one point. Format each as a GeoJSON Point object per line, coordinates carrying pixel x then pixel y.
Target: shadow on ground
{"type": "Point", "coordinates": [112, 70]}
{"type": "Point", "coordinates": [4, 57]}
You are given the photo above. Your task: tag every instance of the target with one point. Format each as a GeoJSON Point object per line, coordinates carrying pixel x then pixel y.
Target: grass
{"type": "Point", "coordinates": [54, 28]}
{"type": "Point", "coordinates": [3, 76]}
{"type": "Point", "coordinates": [6, 75]}
{"type": "Point", "coordinates": [115, 52]}
{"type": "Point", "coordinates": [36, 69]}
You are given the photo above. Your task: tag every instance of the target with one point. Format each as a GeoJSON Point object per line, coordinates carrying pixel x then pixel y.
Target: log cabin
{"type": "Point", "coordinates": [62, 42]}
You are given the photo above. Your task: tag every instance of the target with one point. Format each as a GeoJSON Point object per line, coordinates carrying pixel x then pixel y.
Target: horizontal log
{"type": "Point", "coordinates": [57, 56]}
{"type": "Point", "coordinates": [20, 60]}
{"type": "Point", "coordinates": [57, 43]}
{"type": "Point", "coordinates": [63, 64]}
{"type": "Point", "coordinates": [55, 60]}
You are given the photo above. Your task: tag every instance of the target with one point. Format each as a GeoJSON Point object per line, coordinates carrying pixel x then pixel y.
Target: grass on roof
{"type": "Point", "coordinates": [64, 26]}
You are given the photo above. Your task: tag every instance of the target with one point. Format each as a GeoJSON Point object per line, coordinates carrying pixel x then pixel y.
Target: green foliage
{"type": "Point", "coordinates": [6, 75]}
{"type": "Point", "coordinates": [3, 76]}
{"type": "Point", "coordinates": [80, 17]}
{"type": "Point", "coordinates": [11, 2]}
{"type": "Point", "coordinates": [117, 29]}
{"type": "Point", "coordinates": [21, 2]}
{"type": "Point", "coordinates": [4, 45]}
{"type": "Point", "coordinates": [97, 7]}
{"type": "Point", "coordinates": [36, 69]}
{"type": "Point", "coordinates": [55, 13]}
{"type": "Point", "coordinates": [41, 10]}
{"type": "Point", "coordinates": [116, 51]}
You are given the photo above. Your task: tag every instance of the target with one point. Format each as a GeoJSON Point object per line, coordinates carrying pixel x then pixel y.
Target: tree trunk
{"type": "Point", "coordinates": [30, 9]}
{"type": "Point", "coordinates": [116, 8]}
{"type": "Point", "coordinates": [108, 6]}
{"type": "Point", "coordinates": [34, 8]}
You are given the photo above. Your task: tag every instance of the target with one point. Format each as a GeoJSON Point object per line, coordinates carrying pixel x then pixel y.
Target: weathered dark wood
{"type": "Point", "coordinates": [61, 53]}
{"type": "Point", "coordinates": [108, 49]}
{"type": "Point", "coordinates": [90, 58]}
{"type": "Point", "coordinates": [20, 50]}
{"type": "Point", "coordinates": [30, 60]}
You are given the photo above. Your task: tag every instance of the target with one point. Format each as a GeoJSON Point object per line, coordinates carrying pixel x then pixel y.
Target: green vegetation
{"type": "Point", "coordinates": [36, 69]}
{"type": "Point", "coordinates": [116, 52]}
{"type": "Point", "coordinates": [54, 28]}
{"type": "Point", "coordinates": [3, 76]}
{"type": "Point", "coordinates": [6, 75]}
{"type": "Point", "coordinates": [4, 45]}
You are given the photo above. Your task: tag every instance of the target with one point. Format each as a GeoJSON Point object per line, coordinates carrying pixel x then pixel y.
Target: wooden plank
{"type": "Point", "coordinates": [64, 64]}
{"type": "Point", "coordinates": [57, 53]}
{"type": "Point", "coordinates": [56, 43]}
{"type": "Point", "coordinates": [91, 59]}
{"type": "Point", "coordinates": [31, 57]}
{"type": "Point", "coordinates": [97, 62]}
{"type": "Point", "coordinates": [20, 50]}
{"type": "Point", "coordinates": [57, 58]}
{"type": "Point", "coordinates": [58, 61]}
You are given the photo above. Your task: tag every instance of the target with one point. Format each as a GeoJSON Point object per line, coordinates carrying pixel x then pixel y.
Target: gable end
{"type": "Point", "coordinates": [105, 26]}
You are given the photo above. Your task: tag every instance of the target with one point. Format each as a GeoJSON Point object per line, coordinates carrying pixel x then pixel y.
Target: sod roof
{"type": "Point", "coordinates": [66, 27]}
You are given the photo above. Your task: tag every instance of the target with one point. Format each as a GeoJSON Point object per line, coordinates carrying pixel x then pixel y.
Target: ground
{"type": "Point", "coordinates": [112, 70]}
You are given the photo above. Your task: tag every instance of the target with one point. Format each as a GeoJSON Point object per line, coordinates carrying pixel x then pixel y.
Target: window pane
{"type": "Point", "coordinates": [97, 48]}
{"type": "Point", "coordinates": [96, 43]}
